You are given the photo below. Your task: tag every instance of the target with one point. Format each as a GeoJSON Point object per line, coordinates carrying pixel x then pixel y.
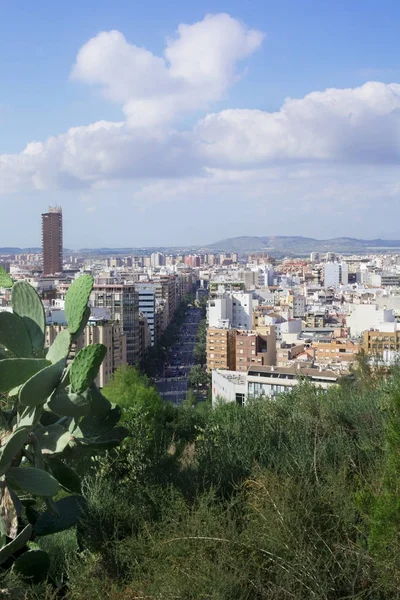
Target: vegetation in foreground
{"type": "Point", "coordinates": [296, 498]}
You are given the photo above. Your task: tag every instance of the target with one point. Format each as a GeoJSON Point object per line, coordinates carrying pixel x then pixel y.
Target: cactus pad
{"type": "Point", "coordinates": [5, 279]}
{"type": "Point", "coordinates": [15, 443]}
{"type": "Point", "coordinates": [39, 387]}
{"type": "Point", "coordinates": [66, 477]}
{"type": "Point", "coordinates": [67, 404]}
{"type": "Point", "coordinates": [14, 371]}
{"type": "Point", "coordinates": [33, 565]}
{"type": "Point", "coordinates": [17, 543]}
{"type": "Point", "coordinates": [76, 302]}
{"type": "Point", "coordinates": [85, 367]}
{"type": "Point", "coordinates": [60, 347]}
{"type": "Point", "coordinates": [70, 510]}
{"type": "Point", "coordinates": [27, 304]}
{"type": "Point", "coordinates": [14, 335]}
{"type": "Point", "coordinates": [34, 481]}
{"type": "Point", "coordinates": [53, 439]}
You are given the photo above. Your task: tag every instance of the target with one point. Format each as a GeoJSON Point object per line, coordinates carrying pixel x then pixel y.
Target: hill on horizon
{"type": "Point", "coordinates": [300, 244]}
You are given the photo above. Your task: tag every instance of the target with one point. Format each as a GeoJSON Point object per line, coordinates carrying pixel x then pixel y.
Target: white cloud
{"type": "Point", "coordinates": [359, 124]}
{"type": "Point", "coordinates": [233, 147]}
{"type": "Point", "coordinates": [197, 68]}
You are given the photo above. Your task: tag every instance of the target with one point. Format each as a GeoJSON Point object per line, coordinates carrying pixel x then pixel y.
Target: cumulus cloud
{"type": "Point", "coordinates": [357, 124]}
{"type": "Point", "coordinates": [91, 155]}
{"type": "Point", "coordinates": [198, 66]}
{"type": "Point", "coordinates": [348, 126]}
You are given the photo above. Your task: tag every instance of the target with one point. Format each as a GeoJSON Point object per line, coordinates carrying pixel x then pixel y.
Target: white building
{"type": "Point", "coordinates": [157, 259]}
{"type": "Point", "coordinates": [335, 273]}
{"type": "Point", "coordinates": [147, 305]}
{"type": "Point", "coordinates": [299, 306]}
{"type": "Point", "coordinates": [368, 316]}
{"type": "Point", "coordinates": [268, 382]}
{"type": "Point", "coordinates": [231, 310]}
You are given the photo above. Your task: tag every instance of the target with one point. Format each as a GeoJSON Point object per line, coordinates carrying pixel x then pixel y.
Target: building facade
{"type": "Point", "coordinates": [122, 302]}
{"type": "Point", "coordinates": [221, 349]}
{"type": "Point", "coordinates": [98, 332]}
{"type": "Point", "coordinates": [52, 241]}
{"type": "Point", "coordinates": [252, 348]}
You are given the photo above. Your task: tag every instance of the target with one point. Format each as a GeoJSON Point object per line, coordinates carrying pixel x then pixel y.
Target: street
{"type": "Point", "coordinates": [173, 386]}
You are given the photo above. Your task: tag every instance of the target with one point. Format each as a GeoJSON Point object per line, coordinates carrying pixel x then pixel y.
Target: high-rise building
{"type": "Point", "coordinates": [157, 259]}
{"type": "Point", "coordinates": [147, 306]}
{"type": "Point", "coordinates": [122, 301]}
{"type": "Point", "coordinates": [52, 241]}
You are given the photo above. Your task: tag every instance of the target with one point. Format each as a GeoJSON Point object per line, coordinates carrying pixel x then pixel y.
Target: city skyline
{"type": "Point", "coordinates": [288, 122]}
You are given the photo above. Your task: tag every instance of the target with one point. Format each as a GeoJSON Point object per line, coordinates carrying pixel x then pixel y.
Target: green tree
{"type": "Point", "coordinates": [200, 348]}
{"type": "Point", "coordinates": [198, 377]}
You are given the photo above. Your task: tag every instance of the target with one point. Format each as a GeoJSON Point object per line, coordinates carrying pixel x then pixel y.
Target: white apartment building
{"type": "Point", "coordinates": [335, 273]}
{"type": "Point", "coordinates": [157, 259]}
{"type": "Point", "coordinates": [299, 306]}
{"type": "Point", "coordinates": [231, 310]}
{"type": "Point", "coordinates": [368, 316]}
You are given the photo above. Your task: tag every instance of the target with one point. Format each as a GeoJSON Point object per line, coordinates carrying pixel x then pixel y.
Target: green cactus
{"type": "Point", "coordinates": [14, 335]}
{"type": "Point", "coordinates": [16, 544]}
{"type": "Point", "coordinates": [5, 279]}
{"type": "Point", "coordinates": [41, 385]}
{"type": "Point", "coordinates": [67, 404]}
{"type": "Point", "coordinates": [85, 367]}
{"type": "Point", "coordinates": [70, 510]}
{"type": "Point", "coordinates": [34, 481]}
{"type": "Point", "coordinates": [60, 347]}
{"type": "Point", "coordinates": [76, 302]}
{"type": "Point", "coordinates": [16, 371]}
{"type": "Point", "coordinates": [55, 411]}
{"type": "Point", "coordinates": [12, 448]}
{"type": "Point", "coordinates": [33, 565]}
{"type": "Point", "coordinates": [67, 477]}
{"type": "Point", "coordinates": [27, 304]}
{"type": "Point", "coordinates": [99, 405]}
{"type": "Point", "coordinates": [52, 439]}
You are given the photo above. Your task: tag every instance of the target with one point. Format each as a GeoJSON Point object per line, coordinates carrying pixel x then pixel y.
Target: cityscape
{"type": "Point", "coordinates": [199, 300]}
{"type": "Point", "coordinates": [266, 319]}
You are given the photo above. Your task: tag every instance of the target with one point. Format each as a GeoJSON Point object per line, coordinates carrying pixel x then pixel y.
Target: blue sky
{"type": "Point", "coordinates": [203, 145]}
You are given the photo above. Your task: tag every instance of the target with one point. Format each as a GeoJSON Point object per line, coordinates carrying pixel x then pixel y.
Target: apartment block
{"type": "Point", "coordinates": [287, 353]}
{"type": "Point", "coordinates": [231, 309]}
{"type": "Point", "coordinates": [122, 302]}
{"type": "Point", "coordinates": [333, 350]}
{"type": "Point", "coordinates": [144, 335]}
{"type": "Point", "coordinates": [376, 342]}
{"type": "Point", "coordinates": [98, 332]}
{"type": "Point", "coordinates": [147, 306]}
{"type": "Point", "coordinates": [252, 348]}
{"type": "Point", "coordinates": [221, 349]}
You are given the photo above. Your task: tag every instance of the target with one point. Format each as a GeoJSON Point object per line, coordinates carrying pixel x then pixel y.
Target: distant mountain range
{"type": "Point", "coordinates": [298, 245]}
{"type": "Point", "coordinates": [279, 245]}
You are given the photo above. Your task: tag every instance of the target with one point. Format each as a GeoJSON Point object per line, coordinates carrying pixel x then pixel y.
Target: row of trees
{"type": "Point", "coordinates": [156, 356]}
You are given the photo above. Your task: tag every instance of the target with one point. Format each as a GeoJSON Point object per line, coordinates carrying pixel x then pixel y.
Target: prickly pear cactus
{"type": "Point", "coordinates": [76, 302]}
{"type": "Point", "coordinates": [5, 279]}
{"type": "Point", "coordinates": [55, 410]}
